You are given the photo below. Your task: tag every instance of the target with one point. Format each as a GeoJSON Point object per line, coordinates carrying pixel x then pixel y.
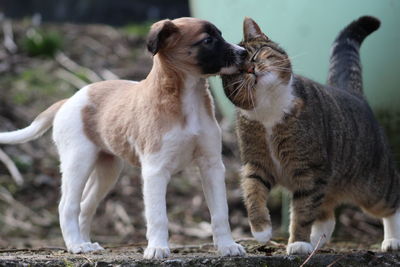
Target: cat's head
{"type": "Point", "coordinates": [266, 66]}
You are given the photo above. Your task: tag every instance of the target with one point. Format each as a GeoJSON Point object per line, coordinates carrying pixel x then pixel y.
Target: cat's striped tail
{"type": "Point", "coordinates": [345, 66]}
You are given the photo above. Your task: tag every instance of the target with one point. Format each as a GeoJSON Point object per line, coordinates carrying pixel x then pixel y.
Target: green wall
{"type": "Point", "coordinates": [306, 29]}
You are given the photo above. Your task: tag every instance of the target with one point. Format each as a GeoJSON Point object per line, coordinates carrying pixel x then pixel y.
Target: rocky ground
{"type": "Point", "coordinates": [271, 254]}
{"type": "Point", "coordinates": [31, 80]}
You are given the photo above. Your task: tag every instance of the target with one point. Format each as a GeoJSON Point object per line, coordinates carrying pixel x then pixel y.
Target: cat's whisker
{"type": "Point", "coordinates": [281, 70]}
{"type": "Point", "coordinates": [282, 60]}
{"type": "Point", "coordinates": [237, 88]}
{"type": "Point", "coordinates": [284, 69]}
{"type": "Point", "coordinates": [296, 56]}
{"type": "Point", "coordinates": [234, 83]}
{"type": "Point", "coordinates": [233, 93]}
{"type": "Point", "coordinates": [252, 101]}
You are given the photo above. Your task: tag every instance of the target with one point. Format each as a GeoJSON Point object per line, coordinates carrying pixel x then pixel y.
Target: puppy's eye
{"type": "Point", "coordinates": [207, 40]}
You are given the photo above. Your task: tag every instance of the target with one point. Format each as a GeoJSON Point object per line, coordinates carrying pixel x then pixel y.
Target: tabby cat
{"type": "Point", "coordinates": [321, 142]}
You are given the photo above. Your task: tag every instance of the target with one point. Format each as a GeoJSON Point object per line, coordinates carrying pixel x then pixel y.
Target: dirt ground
{"type": "Point", "coordinates": [272, 254]}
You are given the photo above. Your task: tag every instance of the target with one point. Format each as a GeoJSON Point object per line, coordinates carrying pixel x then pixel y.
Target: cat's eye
{"type": "Point", "coordinates": [253, 58]}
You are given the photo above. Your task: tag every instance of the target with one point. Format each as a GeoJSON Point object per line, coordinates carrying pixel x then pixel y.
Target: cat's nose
{"type": "Point", "coordinates": [250, 69]}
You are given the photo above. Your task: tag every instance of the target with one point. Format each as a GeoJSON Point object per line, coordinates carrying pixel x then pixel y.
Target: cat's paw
{"type": "Point", "coordinates": [84, 247]}
{"type": "Point", "coordinates": [156, 253]}
{"type": "Point", "coordinates": [391, 244]}
{"type": "Point", "coordinates": [233, 249]}
{"type": "Point", "coordinates": [299, 248]}
{"type": "Point", "coordinates": [264, 236]}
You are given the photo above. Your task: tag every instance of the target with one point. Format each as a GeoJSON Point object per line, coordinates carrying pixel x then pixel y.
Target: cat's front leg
{"type": "Point", "coordinates": [256, 185]}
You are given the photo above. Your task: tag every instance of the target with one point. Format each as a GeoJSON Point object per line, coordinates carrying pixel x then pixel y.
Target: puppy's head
{"type": "Point", "coordinates": [195, 46]}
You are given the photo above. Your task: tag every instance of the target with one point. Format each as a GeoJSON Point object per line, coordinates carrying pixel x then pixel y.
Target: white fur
{"type": "Point", "coordinates": [263, 236]}
{"type": "Point", "coordinates": [228, 70]}
{"type": "Point", "coordinates": [322, 230]}
{"type": "Point", "coordinates": [33, 131]}
{"type": "Point", "coordinates": [391, 227]}
{"type": "Point", "coordinates": [199, 140]}
{"type": "Point", "coordinates": [299, 248]}
{"type": "Point", "coordinates": [77, 156]}
{"type": "Point", "coordinates": [85, 182]}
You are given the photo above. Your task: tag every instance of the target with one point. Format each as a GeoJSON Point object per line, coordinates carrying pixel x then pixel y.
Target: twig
{"type": "Point", "coordinates": [30, 249]}
{"type": "Point", "coordinates": [338, 259]}
{"type": "Point", "coordinates": [75, 68]}
{"type": "Point", "coordinates": [70, 78]}
{"type": "Point", "coordinates": [87, 258]}
{"type": "Point", "coordinates": [108, 75]}
{"type": "Point", "coordinates": [6, 196]}
{"type": "Point", "coordinates": [15, 174]}
{"type": "Point", "coordinates": [9, 43]}
{"type": "Point", "coordinates": [313, 252]}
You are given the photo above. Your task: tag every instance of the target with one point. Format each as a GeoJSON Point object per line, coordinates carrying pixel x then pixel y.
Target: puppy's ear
{"type": "Point", "coordinates": [251, 30]}
{"type": "Point", "coordinates": [159, 35]}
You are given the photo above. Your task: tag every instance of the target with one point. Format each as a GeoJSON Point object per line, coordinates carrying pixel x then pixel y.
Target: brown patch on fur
{"type": "Point", "coordinates": [123, 116]}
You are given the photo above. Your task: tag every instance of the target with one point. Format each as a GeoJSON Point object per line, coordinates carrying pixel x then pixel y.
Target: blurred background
{"type": "Point", "coordinates": [51, 48]}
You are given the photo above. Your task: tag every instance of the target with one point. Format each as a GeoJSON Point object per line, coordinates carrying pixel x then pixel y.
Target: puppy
{"type": "Point", "coordinates": [162, 124]}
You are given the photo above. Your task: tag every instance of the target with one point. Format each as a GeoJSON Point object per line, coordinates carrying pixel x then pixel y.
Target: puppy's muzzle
{"type": "Point", "coordinates": [239, 55]}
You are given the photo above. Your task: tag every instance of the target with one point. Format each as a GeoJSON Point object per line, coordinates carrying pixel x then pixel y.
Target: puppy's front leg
{"type": "Point", "coordinates": [212, 171]}
{"type": "Point", "coordinates": [154, 192]}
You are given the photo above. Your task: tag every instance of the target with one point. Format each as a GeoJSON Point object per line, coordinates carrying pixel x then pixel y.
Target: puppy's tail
{"type": "Point", "coordinates": [38, 127]}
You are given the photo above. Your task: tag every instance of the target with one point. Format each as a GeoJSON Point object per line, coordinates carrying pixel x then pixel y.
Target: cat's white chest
{"type": "Point", "coordinates": [272, 103]}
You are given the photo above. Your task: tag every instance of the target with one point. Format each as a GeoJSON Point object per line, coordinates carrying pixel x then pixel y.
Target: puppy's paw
{"type": "Point", "coordinates": [391, 244]}
{"type": "Point", "coordinates": [156, 253]}
{"type": "Point", "coordinates": [232, 249]}
{"type": "Point", "coordinates": [299, 248]}
{"type": "Point", "coordinates": [84, 247]}
{"type": "Point", "coordinates": [96, 246]}
{"type": "Point", "coordinates": [264, 236]}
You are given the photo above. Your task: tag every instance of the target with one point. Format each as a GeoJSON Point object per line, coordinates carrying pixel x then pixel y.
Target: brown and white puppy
{"type": "Point", "coordinates": [162, 124]}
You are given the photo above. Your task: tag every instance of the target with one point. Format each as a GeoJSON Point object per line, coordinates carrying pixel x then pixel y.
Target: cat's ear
{"type": "Point", "coordinates": [251, 30]}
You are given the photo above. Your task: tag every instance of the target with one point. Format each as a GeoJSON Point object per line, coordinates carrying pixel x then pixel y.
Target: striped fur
{"type": "Point", "coordinates": [345, 66]}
